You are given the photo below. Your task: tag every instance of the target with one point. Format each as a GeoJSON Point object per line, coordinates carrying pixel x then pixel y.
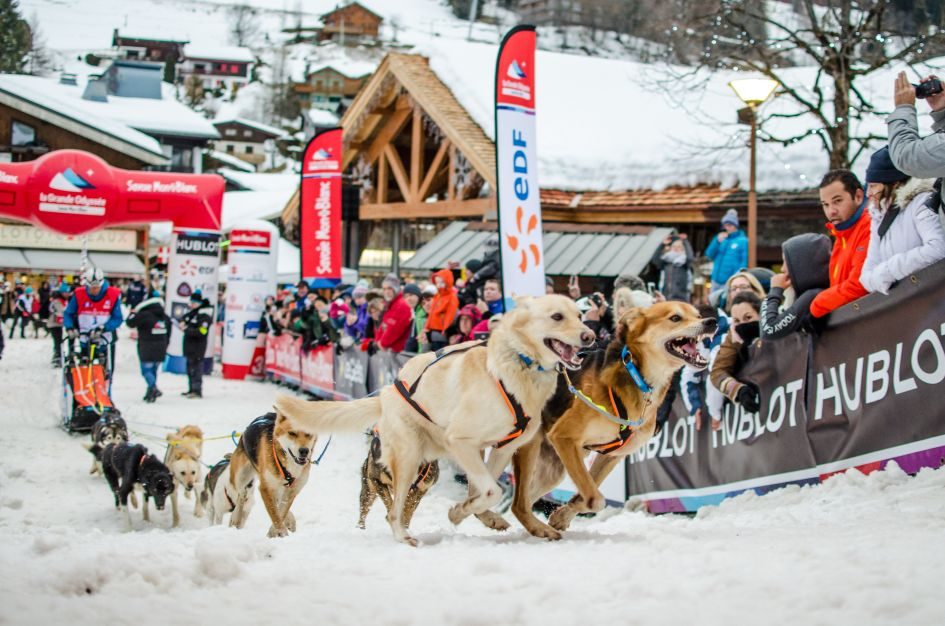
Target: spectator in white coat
{"type": "Point", "coordinates": [906, 234]}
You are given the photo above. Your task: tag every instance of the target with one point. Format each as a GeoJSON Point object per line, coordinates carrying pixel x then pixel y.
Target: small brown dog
{"type": "Point", "coordinates": [376, 481]}
{"type": "Point", "coordinates": [184, 449]}
{"type": "Point", "coordinates": [277, 450]}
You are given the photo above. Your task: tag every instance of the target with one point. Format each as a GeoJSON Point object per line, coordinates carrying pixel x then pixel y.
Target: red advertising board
{"type": "Point", "coordinates": [320, 209]}
{"type": "Point", "coordinates": [249, 239]}
{"type": "Point", "coordinates": [318, 371]}
{"type": "Point", "coordinates": [283, 358]}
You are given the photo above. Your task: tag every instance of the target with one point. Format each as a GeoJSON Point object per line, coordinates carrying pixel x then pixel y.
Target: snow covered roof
{"type": "Point", "coordinates": [142, 33]}
{"type": "Point", "coordinates": [212, 52]}
{"type": "Point", "coordinates": [42, 97]}
{"type": "Point", "coordinates": [321, 117]}
{"type": "Point", "coordinates": [348, 67]}
{"type": "Point", "coordinates": [263, 182]}
{"type": "Point", "coordinates": [245, 205]}
{"type": "Point", "coordinates": [265, 128]}
{"type": "Point", "coordinates": [609, 125]}
{"type": "Point", "coordinates": [230, 161]}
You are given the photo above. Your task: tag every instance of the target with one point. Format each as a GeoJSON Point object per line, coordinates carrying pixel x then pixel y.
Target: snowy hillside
{"type": "Point", "coordinates": [855, 550]}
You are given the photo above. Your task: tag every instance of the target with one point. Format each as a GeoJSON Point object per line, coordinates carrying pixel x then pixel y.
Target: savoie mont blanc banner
{"type": "Point", "coordinates": [520, 233]}
{"type": "Point", "coordinates": [320, 209]}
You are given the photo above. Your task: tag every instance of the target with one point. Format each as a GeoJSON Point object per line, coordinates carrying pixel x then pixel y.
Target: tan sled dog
{"type": "Point", "coordinates": [659, 340]}
{"type": "Point", "coordinates": [461, 401]}
{"type": "Point", "coordinates": [277, 449]}
{"type": "Point", "coordinates": [184, 449]}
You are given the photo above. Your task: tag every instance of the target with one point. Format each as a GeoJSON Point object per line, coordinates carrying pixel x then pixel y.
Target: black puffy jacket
{"type": "Point", "coordinates": [154, 329]}
{"type": "Point", "coordinates": [197, 323]}
{"type": "Point", "coordinates": [808, 261]}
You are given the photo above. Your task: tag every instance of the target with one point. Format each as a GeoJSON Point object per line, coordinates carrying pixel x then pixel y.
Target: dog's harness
{"type": "Point", "coordinates": [521, 420]}
{"type": "Point", "coordinates": [621, 418]}
{"type": "Point", "coordinates": [213, 477]}
{"type": "Point", "coordinates": [264, 425]}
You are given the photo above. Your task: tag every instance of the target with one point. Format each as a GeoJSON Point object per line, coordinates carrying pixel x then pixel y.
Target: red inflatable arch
{"type": "Point", "coordinates": [73, 192]}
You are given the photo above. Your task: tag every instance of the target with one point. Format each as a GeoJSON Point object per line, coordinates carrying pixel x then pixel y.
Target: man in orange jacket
{"type": "Point", "coordinates": [844, 203]}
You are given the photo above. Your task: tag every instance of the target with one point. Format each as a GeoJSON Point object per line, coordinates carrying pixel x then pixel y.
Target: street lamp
{"type": "Point", "coordinates": [753, 92]}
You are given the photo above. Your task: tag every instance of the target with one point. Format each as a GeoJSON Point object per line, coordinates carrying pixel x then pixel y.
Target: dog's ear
{"type": "Point", "coordinates": [631, 324]}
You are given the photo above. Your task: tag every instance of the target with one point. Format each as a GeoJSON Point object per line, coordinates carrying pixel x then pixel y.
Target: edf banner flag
{"type": "Point", "coordinates": [320, 209]}
{"type": "Point", "coordinates": [520, 233]}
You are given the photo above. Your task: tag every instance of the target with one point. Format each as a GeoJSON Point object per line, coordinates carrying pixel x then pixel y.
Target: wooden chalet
{"type": "Point", "coordinates": [351, 23]}
{"type": "Point", "coordinates": [419, 162]}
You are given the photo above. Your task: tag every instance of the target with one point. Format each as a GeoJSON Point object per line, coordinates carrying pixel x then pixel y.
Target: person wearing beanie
{"type": "Point", "coordinates": [196, 325]}
{"type": "Point", "coordinates": [26, 306]}
{"type": "Point", "coordinates": [906, 234]}
{"type": "Point", "coordinates": [844, 204]}
{"type": "Point", "coordinates": [728, 250]}
{"type": "Point", "coordinates": [805, 270]}
{"type": "Point", "coordinates": [466, 320]}
{"type": "Point", "coordinates": [413, 296]}
{"type": "Point", "coordinates": [154, 333]}
{"type": "Point", "coordinates": [397, 319]}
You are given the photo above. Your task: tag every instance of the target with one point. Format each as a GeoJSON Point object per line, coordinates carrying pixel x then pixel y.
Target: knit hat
{"type": "Point", "coordinates": [392, 281]}
{"type": "Point", "coordinates": [63, 288]}
{"type": "Point", "coordinates": [29, 290]}
{"type": "Point", "coordinates": [196, 296]}
{"type": "Point", "coordinates": [359, 292]}
{"type": "Point", "coordinates": [429, 290]}
{"type": "Point", "coordinates": [730, 217]}
{"type": "Point", "coordinates": [881, 168]}
{"type": "Point", "coordinates": [471, 312]}
{"type": "Point", "coordinates": [413, 289]}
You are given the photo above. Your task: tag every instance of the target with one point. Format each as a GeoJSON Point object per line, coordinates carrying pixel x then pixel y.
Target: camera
{"type": "Point", "coordinates": [596, 299]}
{"type": "Point", "coordinates": [928, 88]}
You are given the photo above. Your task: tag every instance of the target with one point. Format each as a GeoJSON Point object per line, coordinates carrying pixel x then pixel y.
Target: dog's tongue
{"type": "Point", "coordinates": [690, 348]}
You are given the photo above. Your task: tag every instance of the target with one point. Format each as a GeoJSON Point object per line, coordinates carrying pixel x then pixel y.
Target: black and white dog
{"type": "Point", "coordinates": [125, 466]}
{"type": "Point", "coordinates": [110, 428]}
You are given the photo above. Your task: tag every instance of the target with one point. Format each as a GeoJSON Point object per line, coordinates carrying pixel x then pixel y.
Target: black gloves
{"type": "Point", "coordinates": [749, 398]}
{"type": "Point", "coordinates": [324, 340]}
{"type": "Point", "coordinates": [372, 348]}
{"type": "Point", "coordinates": [338, 348]}
{"type": "Point", "coordinates": [95, 335]}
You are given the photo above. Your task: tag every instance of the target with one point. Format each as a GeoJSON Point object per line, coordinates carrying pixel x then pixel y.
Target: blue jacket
{"type": "Point", "coordinates": [729, 256]}
{"type": "Point", "coordinates": [70, 317]}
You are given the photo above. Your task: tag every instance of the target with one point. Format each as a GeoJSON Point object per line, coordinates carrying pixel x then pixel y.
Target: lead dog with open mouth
{"type": "Point", "coordinates": [459, 401]}
{"type": "Point", "coordinates": [608, 407]}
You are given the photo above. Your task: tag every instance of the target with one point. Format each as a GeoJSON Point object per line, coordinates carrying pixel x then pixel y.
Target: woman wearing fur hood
{"type": "Point", "coordinates": [906, 234]}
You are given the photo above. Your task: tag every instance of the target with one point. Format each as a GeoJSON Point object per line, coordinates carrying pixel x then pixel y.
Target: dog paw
{"type": "Point", "coordinates": [290, 521]}
{"type": "Point", "coordinates": [457, 514]}
{"type": "Point", "coordinates": [410, 541]}
{"type": "Point", "coordinates": [361, 524]}
{"type": "Point", "coordinates": [543, 531]}
{"type": "Point", "coordinates": [277, 532]}
{"type": "Point", "coordinates": [493, 520]}
{"type": "Point", "coordinates": [561, 518]}
{"type": "Point", "coordinates": [596, 503]}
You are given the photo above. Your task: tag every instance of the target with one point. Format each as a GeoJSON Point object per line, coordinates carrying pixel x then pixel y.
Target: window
{"type": "Point", "coordinates": [230, 149]}
{"type": "Point", "coordinates": [230, 132]}
{"type": "Point", "coordinates": [247, 133]}
{"type": "Point", "coordinates": [234, 69]}
{"type": "Point", "coordinates": [249, 150]}
{"type": "Point", "coordinates": [200, 68]}
{"type": "Point", "coordinates": [22, 134]}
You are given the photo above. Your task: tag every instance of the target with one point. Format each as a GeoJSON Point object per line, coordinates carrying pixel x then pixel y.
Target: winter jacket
{"type": "Point", "coordinates": [57, 309]}
{"type": "Point", "coordinates": [445, 304]}
{"type": "Point", "coordinates": [808, 260]}
{"type": "Point", "coordinates": [154, 329]}
{"type": "Point", "coordinates": [729, 256]}
{"type": "Point", "coordinates": [86, 311]}
{"type": "Point", "coordinates": [922, 158]}
{"type": "Point", "coordinates": [846, 263]}
{"type": "Point", "coordinates": [135, 293]}
{"type": "Point", "coordinates": [729, 360]}
{"type": "Point", "coordinates": [27, 305]}
{"type": "Point", "coordinates": [912, 239]}
{"type": "Point", "coordinates": [395, 325]}
{"type": "Point", "coordinates": [197, 323]}
{"type": "Point", "coordinates": [675, 277]}
{"type": "Point", "coordinates": [358, 330]}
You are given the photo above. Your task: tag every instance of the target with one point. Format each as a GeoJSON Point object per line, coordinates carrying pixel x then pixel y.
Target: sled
{"type": "Point", "coordinates": [86, 384]}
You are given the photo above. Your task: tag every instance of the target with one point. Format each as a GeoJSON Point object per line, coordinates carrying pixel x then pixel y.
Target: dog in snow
{"type": "Point", "coordinates": [276, 450]}
{"type": "Point", "coordinates": [126, 466]}
{"type": "Point", "coordinates": [461, 400]}
{"type": "Point", "coordinates": [217, 497]}
{"type": "Point", "coordinates": [110, 428]}
{"type": "Point", "coordinates": [182, 457]}
{"type": "Point", "coordinates": [376, 480]}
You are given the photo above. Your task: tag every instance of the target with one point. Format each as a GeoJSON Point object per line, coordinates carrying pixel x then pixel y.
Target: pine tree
{"type": "Point", "coordinates": [14, 38]}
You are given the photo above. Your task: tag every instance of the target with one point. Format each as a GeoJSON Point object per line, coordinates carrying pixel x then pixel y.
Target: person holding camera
{"type": "Point", "coordinates": [916, 156]}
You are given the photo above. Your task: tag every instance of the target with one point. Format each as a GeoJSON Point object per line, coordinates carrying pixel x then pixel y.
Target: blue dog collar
{"type": "Point", "coordinates": [528, 361]}
{"type": "Point", "coordinates": [633, 371]}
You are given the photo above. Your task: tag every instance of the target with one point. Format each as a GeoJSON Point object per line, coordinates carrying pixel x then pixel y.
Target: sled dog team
{"type": "Point", "coordinates": [536, 393]}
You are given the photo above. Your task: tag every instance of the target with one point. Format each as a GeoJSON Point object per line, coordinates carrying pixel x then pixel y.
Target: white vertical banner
{"type": "Point", "coordinates": [520, 231]}
{"type": "Point", "coordinates": [194, 265]}
{"type": "Point", "coordinates": [251, 277]}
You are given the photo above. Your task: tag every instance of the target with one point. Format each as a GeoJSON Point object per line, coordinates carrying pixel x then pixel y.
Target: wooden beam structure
{"type": "Point", "coordinates": [444, 209]}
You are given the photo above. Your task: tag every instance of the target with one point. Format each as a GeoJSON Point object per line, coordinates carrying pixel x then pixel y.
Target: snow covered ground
{"type": "Point", "coordinates": [856, 550]}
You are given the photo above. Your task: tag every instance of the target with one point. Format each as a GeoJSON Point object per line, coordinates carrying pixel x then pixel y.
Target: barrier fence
{"type": "Point", "coordinates": [866, 391]}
